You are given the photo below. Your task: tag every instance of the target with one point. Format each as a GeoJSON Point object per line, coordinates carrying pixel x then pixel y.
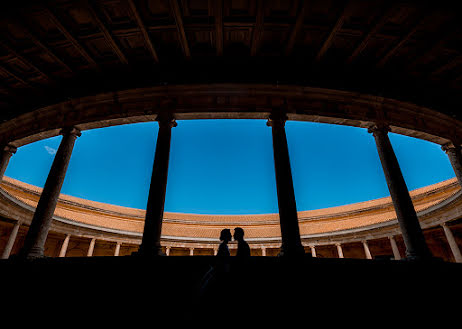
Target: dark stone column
{"type": "Point", "coordinates": [8, 151]}
{"type": "Point", "coordinates": [416, 247]}
{"type": "Point", "coordinates": [290, 232]}
{"type": "Point", "coordinates": [455, 157]}
{"type": "Point", "coordinates": [41, 222]}
{"type": "Point", "coordinates": [150, 244]}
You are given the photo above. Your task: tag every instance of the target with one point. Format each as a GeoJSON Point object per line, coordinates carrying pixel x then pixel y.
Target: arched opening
{"type": "Point", "coordinates": [225, 168]}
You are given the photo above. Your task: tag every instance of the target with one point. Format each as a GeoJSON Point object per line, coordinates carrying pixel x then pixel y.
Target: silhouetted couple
{"type": "Point", "coordinates": [226, 274]}
{"type": "Point", "coordinates": [243, 249]}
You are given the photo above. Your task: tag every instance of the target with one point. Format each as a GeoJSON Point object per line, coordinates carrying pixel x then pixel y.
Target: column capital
{"type": "Point", "coordinates": [378, 128]}
{"type": "Point", "coordinates": [9, 148]}
{"type": "Point", "coordinates": [449, 147]}
{"type": "Point", "coordinates": [166, 120]}
{"type": "Point", "coordinates": [72, 131]}
{"type": "Point", "coordinates": [277, 119]}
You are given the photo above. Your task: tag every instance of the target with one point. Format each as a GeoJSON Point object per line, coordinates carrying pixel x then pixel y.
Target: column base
{"type": "Point", "coordinates": [33, 253]}
{"type": "Point", "coordinates": [295, 251]}
{"type": "Point", "coordinates": [419, 256]}
{"type": "Point", "coordinates": [421, 259]}
{"type": "Point", "coordinates": [150, 252]}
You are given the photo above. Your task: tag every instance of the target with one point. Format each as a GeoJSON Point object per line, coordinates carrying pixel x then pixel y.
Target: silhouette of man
{"type": "Point", "coordinates": [225, 237]}
{"type": "Point", "coordinates": [243, 249]}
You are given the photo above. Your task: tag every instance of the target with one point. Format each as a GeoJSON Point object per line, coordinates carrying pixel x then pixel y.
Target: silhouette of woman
{"type": "Point", "coordinates": [213, 284]}
{"type": "Point", "coordinates": [225, 237]}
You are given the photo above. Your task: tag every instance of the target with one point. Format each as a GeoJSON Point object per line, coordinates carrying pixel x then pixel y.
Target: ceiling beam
{"type": "Point", "coordinates": [71, 38]}
{"type": "Point", "coordinates": [330, 38]}
{"type": "Point", "coordinates": [373, 30]}
{"type": "Point", "coordinates": [404, 39]}
{"type": "Point", "coordinates": [144, 31]}
{"type": "Point", "coordinates": [258, 29]}
{"type": "Point", "coordinates": [20, 23]}
{"type": "Point", "coordinates": [456, 61]}
{"type": "Point", "coordinates": [450, 30]}
{"type": "Point", "coordinates": [296, 28]}
{"type": "Point", "coordinates": [18, 78]}
{"type": "Point", "coordinates": [421, 18]}
{"type": "Point", "coordinates": [180, 28]}
{"type": "Point", "coordinates": [218, 13]}
{"type": "Point", "coordinates": [107, 34]}
{"type": "Point", "coordinates": [25, 61]}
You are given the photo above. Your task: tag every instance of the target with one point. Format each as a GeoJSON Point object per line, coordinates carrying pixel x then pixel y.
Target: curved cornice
{"type": "Point", "coordinates": [374, 217]}
{"type": "Point", "coordinates": [236, 101]}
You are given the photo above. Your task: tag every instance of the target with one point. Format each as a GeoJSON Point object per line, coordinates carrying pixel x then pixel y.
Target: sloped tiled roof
{"type": "Point", "coordinates": [209, 226]}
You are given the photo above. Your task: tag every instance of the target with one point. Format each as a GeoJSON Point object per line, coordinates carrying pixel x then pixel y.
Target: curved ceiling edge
{"type": "Point", "coordinates": [231, 101]}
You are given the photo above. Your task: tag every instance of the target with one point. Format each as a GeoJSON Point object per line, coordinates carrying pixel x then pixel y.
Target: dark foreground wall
{"type": "Point", "coordinates": [258, 292]}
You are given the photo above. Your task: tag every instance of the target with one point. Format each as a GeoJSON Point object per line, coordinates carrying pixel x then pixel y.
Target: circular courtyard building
{"type": "Point", "coordinates": [385, 66]}
{"type": "Point", "coordinates": [370, 229]}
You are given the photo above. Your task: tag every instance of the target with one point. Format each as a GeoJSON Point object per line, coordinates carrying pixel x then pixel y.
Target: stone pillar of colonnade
{"type": "Point", "coordinates": [452, 243]}
{"type": "Point", "coordinates": [454, 154]}
{"type": "Point", "coordinates": [167, 251]}
{"type": "Point", "coordinates": [191, 251]}
{"type": "Point", "coordinates": [117, 248]}
{"type": "Point", "coordinates": [263, 251]}
{"type": "Point", "coordinates": [43, 216]}
{"type": "Point", "coordinates": [367, 251]}
{"type": "Point", "coordinates": [394, 248]}
{"type": "Point", "coordinates": [339, 250]}
{"type": "Point", "coordinates": [91, 247]}
{"type": "Point", "coordinates": [11, 239]}
{"type": "Point", "coordinates": [416, 246]}
{"type": "Point", "coordinates": [313, 250]}
{"type": "Point", "coordinates": [6, 155]}
{"type": "Point", "coordinates": [150, 243]}
{"type": "Point", "coordinates": [63, 250]}
{"type": "Point", "coordinates": [290, 231]}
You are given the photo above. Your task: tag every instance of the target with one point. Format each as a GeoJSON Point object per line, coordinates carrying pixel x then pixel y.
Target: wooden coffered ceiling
{"type": "Point", "coordinates": [56, 50]}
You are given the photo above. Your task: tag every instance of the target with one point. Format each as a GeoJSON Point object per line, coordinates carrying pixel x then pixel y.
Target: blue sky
{"type": "Point", "coordinates": [226, 166]}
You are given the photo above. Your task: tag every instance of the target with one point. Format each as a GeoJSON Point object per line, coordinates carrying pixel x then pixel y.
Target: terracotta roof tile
{"type": "Point", "coordinates": [209, 226]}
